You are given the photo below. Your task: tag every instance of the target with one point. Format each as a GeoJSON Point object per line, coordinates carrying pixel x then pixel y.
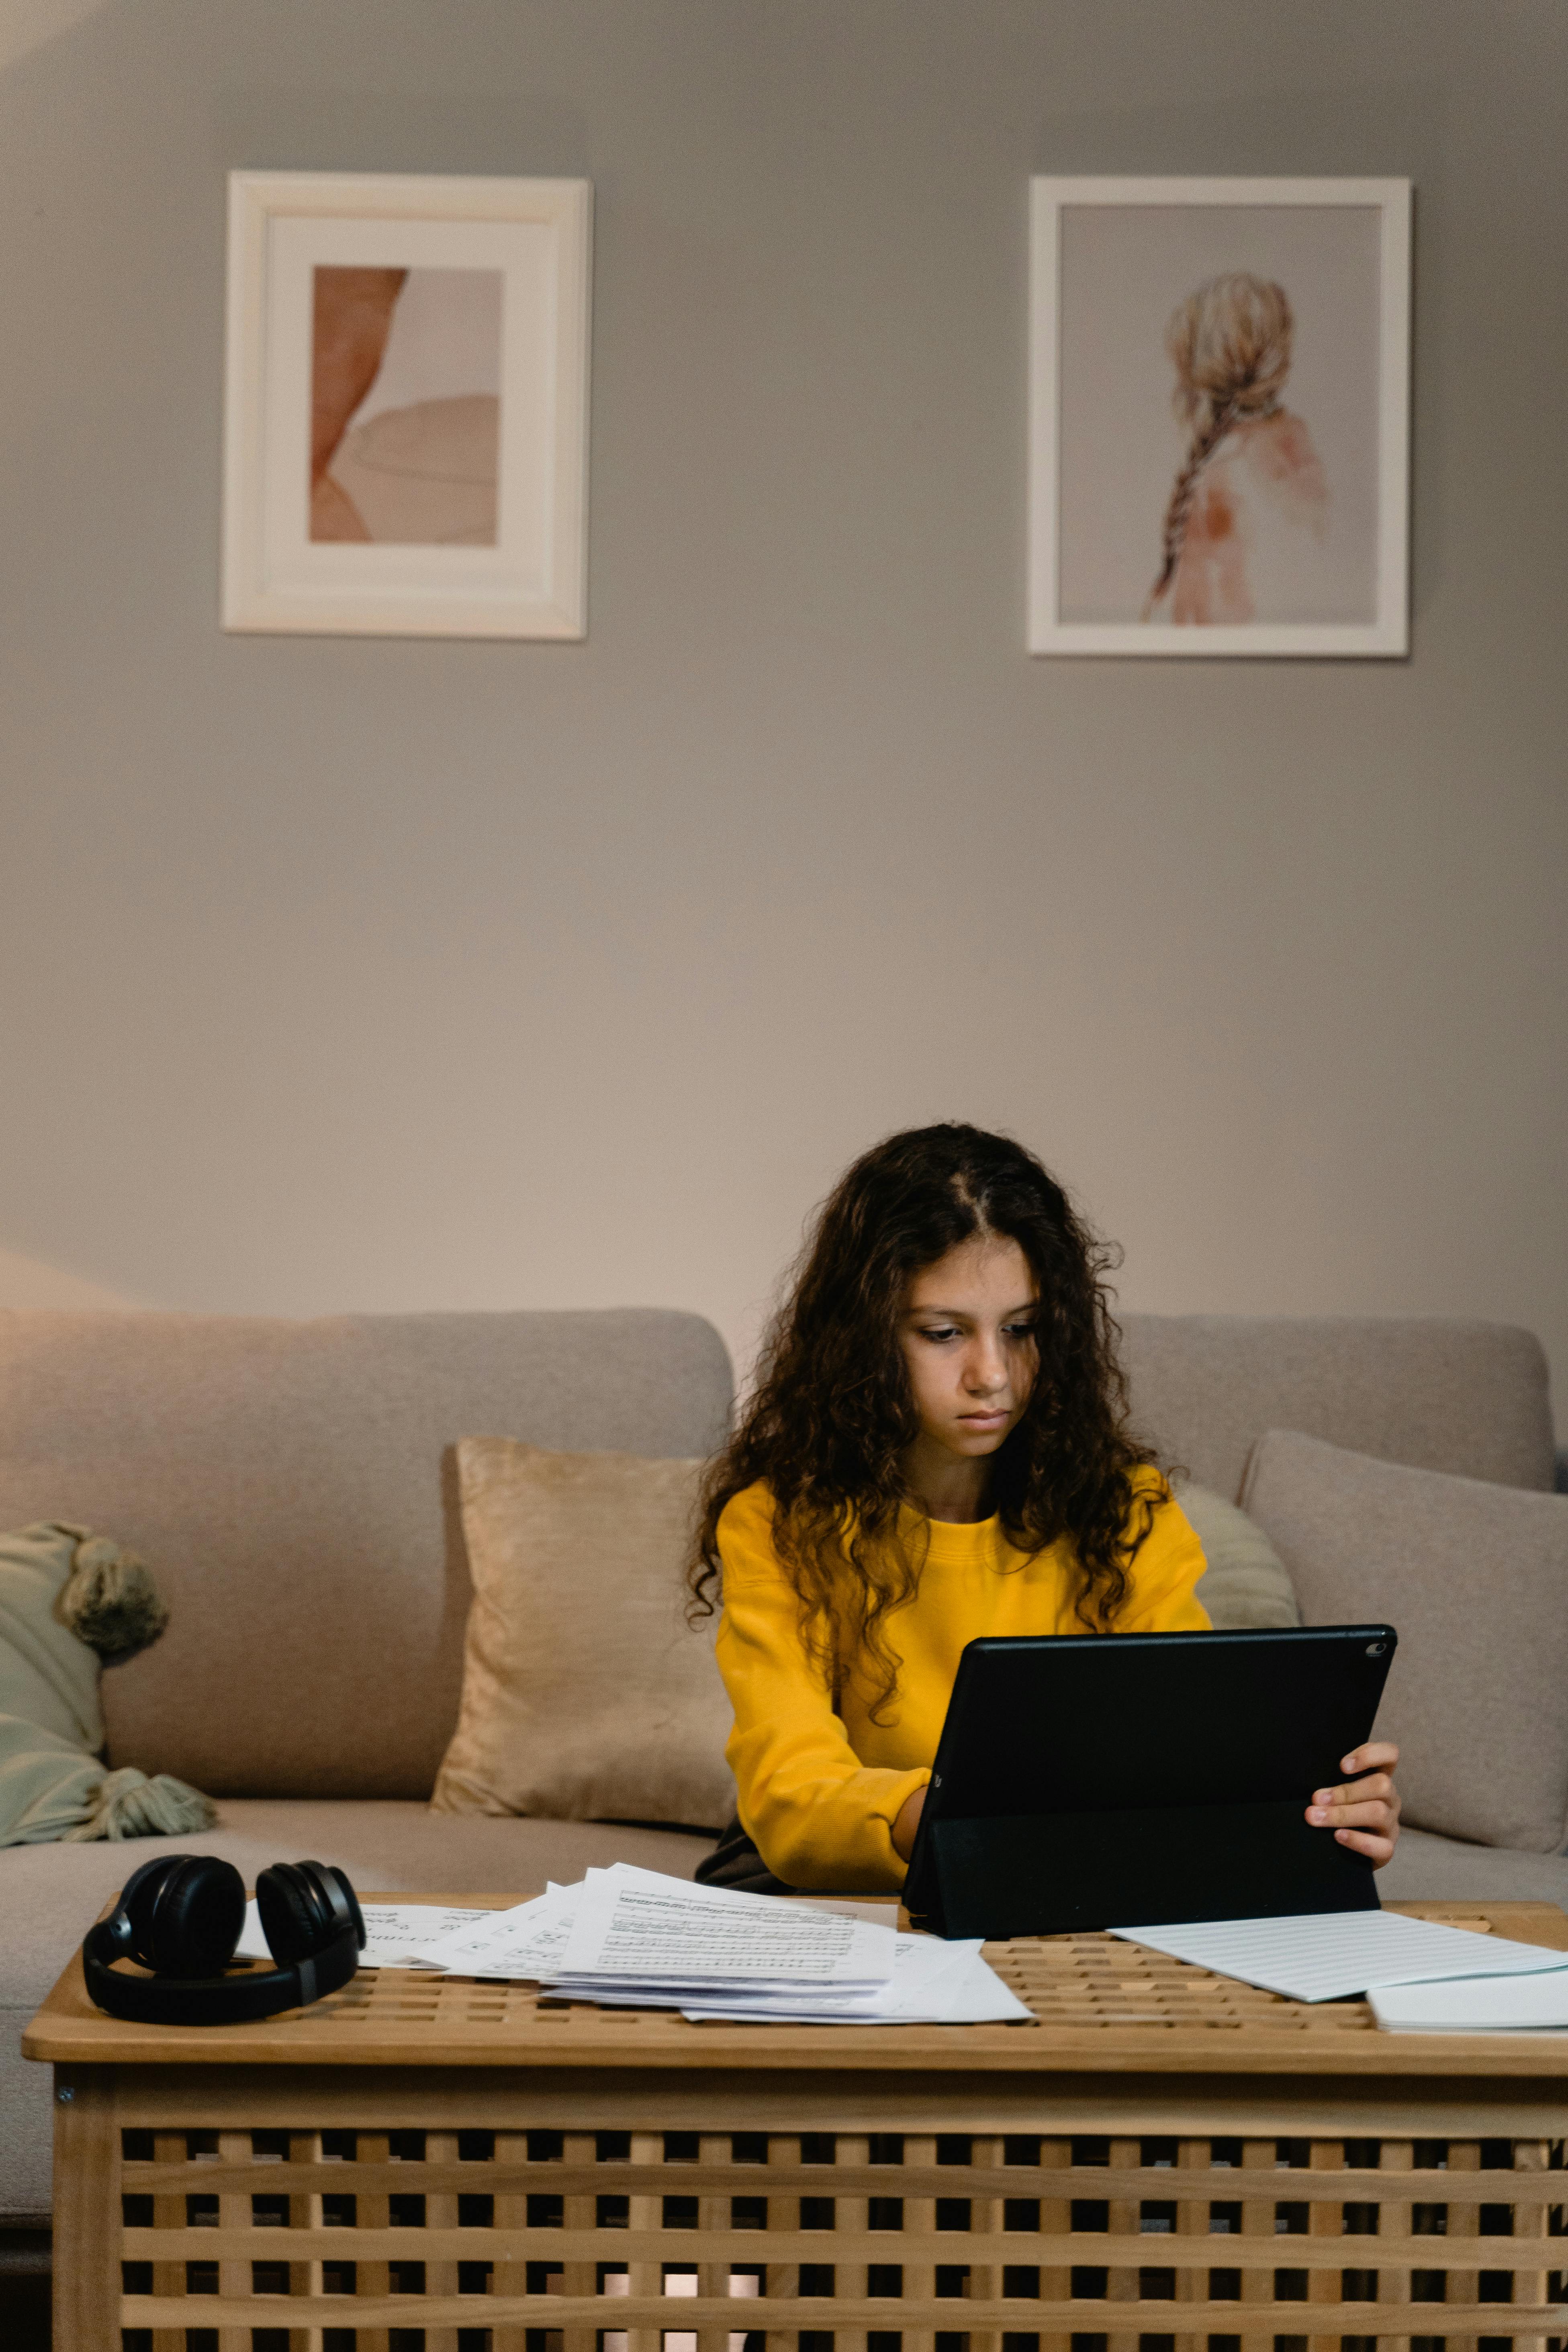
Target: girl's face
{"type": "Point", "coordinates": [968, 1337]}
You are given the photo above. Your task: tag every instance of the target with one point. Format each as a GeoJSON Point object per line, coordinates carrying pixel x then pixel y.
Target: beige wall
{"type": "Point", "coordinates": [345, 973]}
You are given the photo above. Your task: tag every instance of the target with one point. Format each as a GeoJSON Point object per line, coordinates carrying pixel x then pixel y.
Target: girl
{"type": "Point", "coordinates": [936, 1449]}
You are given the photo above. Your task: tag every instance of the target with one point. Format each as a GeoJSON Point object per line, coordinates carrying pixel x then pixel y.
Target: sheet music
{"type": "Point", "coordinates": [920, 1962]}
{"type": "Point", "coordinates": [933, 1983]}
{"type": "Point", "coordinates": [393, 1932]}
{"type": "Point", "coordinates": [1330, 1955]}
{"type": "Point", "coordinates": [639, 1925]}
{"type": "Point", "coordinates": [526, 1941]}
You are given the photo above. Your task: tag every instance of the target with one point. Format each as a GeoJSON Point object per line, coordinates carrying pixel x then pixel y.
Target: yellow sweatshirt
{"type": "Point", "coordinates": [819, 1792]}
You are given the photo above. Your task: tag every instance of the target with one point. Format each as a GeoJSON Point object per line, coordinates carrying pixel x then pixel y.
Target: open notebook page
{"type": "Point", "coordinates": [1330, 1955]}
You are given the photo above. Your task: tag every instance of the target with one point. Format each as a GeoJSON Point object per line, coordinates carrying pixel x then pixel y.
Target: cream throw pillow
{"type": "Point", "coordinates": [585, 1695]}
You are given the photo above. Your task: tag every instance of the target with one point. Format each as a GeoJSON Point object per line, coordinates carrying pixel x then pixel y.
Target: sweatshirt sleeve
{"type": "Point", "coordinates": [819, 1817]}
{"type": "Point", "coordinates": [1162, 1598]}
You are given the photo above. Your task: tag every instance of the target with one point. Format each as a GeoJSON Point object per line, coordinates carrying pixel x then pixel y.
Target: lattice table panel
{"type": "Point", "coordinates": [346, 2239]}
{"type": "Point", "coordinates": [1098, 1981]}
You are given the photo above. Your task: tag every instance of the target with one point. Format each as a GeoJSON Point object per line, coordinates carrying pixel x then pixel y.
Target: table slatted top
{"type": "Point", "coordinates": [1098, 2006]}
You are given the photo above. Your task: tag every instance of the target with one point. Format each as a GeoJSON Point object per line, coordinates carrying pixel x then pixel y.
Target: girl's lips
{"type": "Point", "coordinates": [983, 1420]}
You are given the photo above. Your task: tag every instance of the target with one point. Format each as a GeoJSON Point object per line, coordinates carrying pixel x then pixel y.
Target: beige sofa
{"type": "Point", "coordinates": [292, 1486]}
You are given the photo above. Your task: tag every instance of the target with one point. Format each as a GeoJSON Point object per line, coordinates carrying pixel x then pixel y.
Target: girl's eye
{"type": "Point", "coordinates": [1019, 1330]}
{"type": "Point", "coordinates": [939, 1331]}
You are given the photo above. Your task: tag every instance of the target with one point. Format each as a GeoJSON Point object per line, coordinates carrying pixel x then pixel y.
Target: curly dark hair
{"type": "Point", "coordinates": [832, 1413]}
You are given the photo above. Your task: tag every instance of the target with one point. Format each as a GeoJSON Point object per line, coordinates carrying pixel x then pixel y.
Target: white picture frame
{"type": "Point", "coordinates": [1289, 533]}
{"type": "Point", "coordinates": [482, 531]}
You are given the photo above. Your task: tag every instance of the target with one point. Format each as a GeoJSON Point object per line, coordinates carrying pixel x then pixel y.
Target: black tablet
{"type": "Point", "coordinates": [1135, 1779]}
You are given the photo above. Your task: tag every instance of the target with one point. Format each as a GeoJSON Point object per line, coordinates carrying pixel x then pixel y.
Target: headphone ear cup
{"type": "Point", "coordinates": [188, 1919]}
{"type": "Point", "coordinates": [295, 1915]}
{"type": "Point", "coordinates": [348, 1900]}
{"type": "Point", "coordinates": [133, 1920]}
{"type": "Point", "coordinates": [339, 1905]}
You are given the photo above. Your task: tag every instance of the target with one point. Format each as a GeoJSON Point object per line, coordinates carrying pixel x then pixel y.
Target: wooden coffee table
{"type": "Point", "coordinates": [1163, 2157]}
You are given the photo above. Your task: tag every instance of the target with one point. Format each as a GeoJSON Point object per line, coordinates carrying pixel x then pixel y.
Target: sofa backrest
{"type": "Point", "coordinates": [291, 1484]}
{"type": "Point", "coordinates": [1470, 1398]}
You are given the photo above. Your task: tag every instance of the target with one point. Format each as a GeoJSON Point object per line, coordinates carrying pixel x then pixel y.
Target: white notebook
{"type": "Point", "coordinates": [1524, 2004]}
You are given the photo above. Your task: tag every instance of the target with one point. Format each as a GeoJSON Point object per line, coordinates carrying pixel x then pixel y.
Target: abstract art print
{"type": "Point", "coordinates": [406, 421]}
{"type": "Point", "coordinates": [1219, 417]}
{"type": "Point", "coordinates": [405, 405]}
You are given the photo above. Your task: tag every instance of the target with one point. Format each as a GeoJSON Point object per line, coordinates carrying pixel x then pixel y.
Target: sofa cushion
{"type": "Point", "coordinates": [1246, 1581]}
{"type": "Point", "coordinates": [1430, 1869]}
{"type": "Point", "coordinates": [50, 1897]}
{"type": "Point", "coordinates": [1474, 1579]}
{"type": "Point", "coordinates": [1470, 1398]}
{"type": "Point", "coordinates": [295, 1486]}
{"type": "Point", "coordinates": [587, 1697]}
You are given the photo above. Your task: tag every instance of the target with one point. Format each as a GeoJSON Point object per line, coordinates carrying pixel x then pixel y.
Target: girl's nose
{"type": "Point", "coordinates": [986, 1369]}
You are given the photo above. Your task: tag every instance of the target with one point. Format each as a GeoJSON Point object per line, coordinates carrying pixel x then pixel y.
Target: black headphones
{"type": "Point", "coordinates": [181, 1916]}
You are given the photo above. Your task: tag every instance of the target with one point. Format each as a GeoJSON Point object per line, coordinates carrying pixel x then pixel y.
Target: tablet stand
{"type": "Point", "coordinates": [1055, 1874]}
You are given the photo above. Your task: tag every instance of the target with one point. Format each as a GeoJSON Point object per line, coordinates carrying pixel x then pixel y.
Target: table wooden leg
{"type": "Point", "coordinates": [86, 2210]}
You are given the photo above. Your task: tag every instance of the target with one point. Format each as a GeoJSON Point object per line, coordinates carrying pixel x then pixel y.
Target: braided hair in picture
{"type": "Point", "coordinates": [1230, 344]}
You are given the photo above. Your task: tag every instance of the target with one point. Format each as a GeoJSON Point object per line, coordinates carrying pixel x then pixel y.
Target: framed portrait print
{"type": "Point", "coordinates": [1219, 411]}
{"type": "Point", "coordinates": [406, 428]}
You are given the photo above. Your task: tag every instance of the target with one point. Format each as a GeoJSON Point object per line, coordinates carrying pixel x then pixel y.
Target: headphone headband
{"type": "Point", "coordinates": [213, 2000]}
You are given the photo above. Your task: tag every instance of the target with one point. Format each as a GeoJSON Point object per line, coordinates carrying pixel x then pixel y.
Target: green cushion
{"type": "Point", "coordinates": [1245, 1582]}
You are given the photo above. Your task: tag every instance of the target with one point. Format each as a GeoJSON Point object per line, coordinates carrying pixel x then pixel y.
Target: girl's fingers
{"type": "Point", "coordinates": [1377, 1787]}
{"type": "Point", "coordinates": [1363, 1812]}
{"type": "Point", "coordinates": [1372, 1815]}
{"type": "Point", "coordinates": [1378, 1850]}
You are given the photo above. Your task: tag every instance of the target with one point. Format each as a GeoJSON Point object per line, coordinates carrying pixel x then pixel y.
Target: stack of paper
{"type": "Point", "coordinates": [630, 1938]}
{"type": "Point", "coordinates": [1536, 2003]}
{"type": "Point", "coordinates": [1327, 1956]}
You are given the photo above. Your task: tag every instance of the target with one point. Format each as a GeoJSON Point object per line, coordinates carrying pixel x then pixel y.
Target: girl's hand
{"type": "Point", "coordinates": [1362, 1813]}
{"type": "Point", "coordinates": [907, 1823]}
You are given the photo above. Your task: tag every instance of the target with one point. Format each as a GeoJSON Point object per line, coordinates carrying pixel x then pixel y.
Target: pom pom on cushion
{"type": "Point", "coordinates": [110, 1600]}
